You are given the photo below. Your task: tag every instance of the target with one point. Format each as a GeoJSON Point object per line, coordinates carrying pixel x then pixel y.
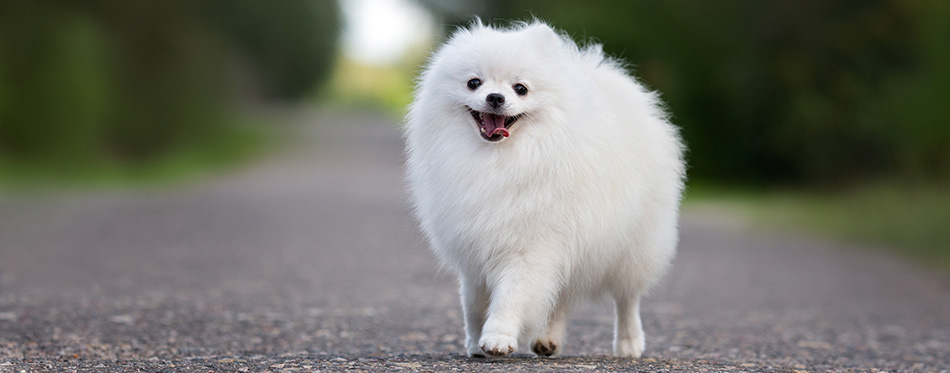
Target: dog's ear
{"type": "Point", "coordinates": [543, 32]}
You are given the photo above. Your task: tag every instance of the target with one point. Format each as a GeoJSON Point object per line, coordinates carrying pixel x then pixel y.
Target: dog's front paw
{"type": "Point", "coordinates": [498, 345]}
{"type": "Point", "coordinates": [629, 348]}
{"type": "Point", "coordinates": [544, 346]}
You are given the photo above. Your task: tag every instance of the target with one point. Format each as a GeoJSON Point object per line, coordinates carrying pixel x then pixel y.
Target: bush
{"type": "Point", "coordinates": [128, 81]}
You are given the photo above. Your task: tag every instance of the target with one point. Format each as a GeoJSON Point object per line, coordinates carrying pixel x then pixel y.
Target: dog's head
{"type": "Point", "coordinates": [500, 78]}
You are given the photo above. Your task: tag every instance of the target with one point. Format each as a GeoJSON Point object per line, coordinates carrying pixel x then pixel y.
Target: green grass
{"type": "Point", "coordinates": [910, 219]}
{"type": "Point", "coordinates": [381, 88]}
{"type": "Point", "coordinates": [227, 149]}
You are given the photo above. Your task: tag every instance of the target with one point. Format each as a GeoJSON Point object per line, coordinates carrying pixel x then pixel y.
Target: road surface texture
{"type": "Point", "coordinates": [309, 261]}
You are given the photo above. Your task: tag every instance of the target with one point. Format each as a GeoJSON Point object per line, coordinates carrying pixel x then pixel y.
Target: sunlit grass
{"type": "Point", "coordinates": [382, 88]}
{"type": "Point", "coordinates": [910, 219]}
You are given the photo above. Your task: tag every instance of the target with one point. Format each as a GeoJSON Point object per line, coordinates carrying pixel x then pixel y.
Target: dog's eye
{"type": "Point", "coordinates": [474, 83]}
{"type": "Point", "coordinates": [519, 88]}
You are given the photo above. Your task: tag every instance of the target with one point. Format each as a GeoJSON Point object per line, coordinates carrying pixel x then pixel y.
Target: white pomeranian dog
{"type": "Point", "coordinates": [543, 174]}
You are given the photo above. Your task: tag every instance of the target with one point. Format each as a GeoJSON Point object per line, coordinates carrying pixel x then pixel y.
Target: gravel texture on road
{"type": "Point", "coordinates": [310, 261]}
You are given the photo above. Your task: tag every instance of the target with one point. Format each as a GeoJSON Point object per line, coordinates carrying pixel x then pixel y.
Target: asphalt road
{"type": "Point", "coordinates": [309, 261]}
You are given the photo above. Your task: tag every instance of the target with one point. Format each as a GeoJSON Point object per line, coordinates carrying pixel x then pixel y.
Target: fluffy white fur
{"type": "Point", "coordinates": [580, 201]}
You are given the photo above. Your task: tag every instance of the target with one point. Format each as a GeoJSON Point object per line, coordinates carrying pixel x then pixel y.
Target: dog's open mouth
{"type": "Point", "coordinates": [493, 127]}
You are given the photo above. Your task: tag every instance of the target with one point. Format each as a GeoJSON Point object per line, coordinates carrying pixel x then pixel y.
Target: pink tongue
{"type": "Point", "coordinates": [494, 124]}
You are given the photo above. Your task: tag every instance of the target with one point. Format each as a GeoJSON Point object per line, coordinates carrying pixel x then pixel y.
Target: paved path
{"type": "Point", "coordinates": [310, 261]}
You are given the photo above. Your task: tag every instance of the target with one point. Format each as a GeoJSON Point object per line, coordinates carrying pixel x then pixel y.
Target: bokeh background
{"type": "Point", "coordinates": [827, 117]}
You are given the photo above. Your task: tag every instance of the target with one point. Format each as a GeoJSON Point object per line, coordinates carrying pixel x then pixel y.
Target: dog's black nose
{"type": "Point", "coordinates": [495, 99]}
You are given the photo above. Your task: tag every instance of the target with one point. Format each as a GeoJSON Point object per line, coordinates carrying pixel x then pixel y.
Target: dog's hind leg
{"type": "Point", "coordinates": [475, 297]}
{"type": "Point", "coordinates": [552, 341]}
{"type": "Point", "coordinates": [629, 340]}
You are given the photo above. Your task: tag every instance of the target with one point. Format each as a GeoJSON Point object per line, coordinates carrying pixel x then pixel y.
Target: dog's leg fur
{"type": "Point", "coordinates": [629, 340]}
{"type": "Point", "coordinates": [474, 306]}
{"type": "Point", "coordinates": [521, 299]}
{"type": "Point", "coordinates": [552, 341]}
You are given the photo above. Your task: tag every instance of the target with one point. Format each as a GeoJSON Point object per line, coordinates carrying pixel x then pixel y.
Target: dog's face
{"type": "Point", "coordinates": [499, 79]}
{"type": "Point", "coordinates": [496, 106]}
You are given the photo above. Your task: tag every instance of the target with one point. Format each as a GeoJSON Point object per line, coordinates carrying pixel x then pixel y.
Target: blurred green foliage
{"type": "Point", "coordinates": [292, 43]}
{"type": "Point", "coordinates": [87, 82]}
{"type": "Point", "coordinates": [790, 91]}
